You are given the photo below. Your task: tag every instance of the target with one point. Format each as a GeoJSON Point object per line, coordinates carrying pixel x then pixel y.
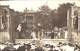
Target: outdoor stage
{"type": "Point", "coordinates": [42, 41]}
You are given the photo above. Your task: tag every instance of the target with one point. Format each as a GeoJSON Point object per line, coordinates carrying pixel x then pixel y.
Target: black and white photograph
{"type": "Point", "coordinates": [39, 25]}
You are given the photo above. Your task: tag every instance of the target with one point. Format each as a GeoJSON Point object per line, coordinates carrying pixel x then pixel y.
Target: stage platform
{"type": "Point", "coordinates": [43, 41]}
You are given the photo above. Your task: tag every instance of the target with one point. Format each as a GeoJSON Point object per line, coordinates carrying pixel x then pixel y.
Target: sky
{"type": "Point", "coordinates": [20, 5]}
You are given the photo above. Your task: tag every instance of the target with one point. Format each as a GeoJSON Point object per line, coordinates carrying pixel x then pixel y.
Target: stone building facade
{"type": "Point", "coordinates": [74, 25]}
{"type": "Point", "coordinates": [4, 23]}
{"type": "Point", "coordinates": [27, 24]}
{"type": "Point", "coordinates": [8, 23]}
{"type": "Point", "coordinates": [79, 19]}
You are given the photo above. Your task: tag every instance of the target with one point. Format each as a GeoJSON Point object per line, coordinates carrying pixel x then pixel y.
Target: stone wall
{"type": "Point", "coordinates": [4, 36]}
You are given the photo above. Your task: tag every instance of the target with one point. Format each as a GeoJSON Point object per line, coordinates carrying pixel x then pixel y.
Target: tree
{"type": "Point", "coordinates": [62, 14]}
{"type": "Point", "coordinates": [54, 17]}
{"type": "Point", "coordinates": [43, 16]}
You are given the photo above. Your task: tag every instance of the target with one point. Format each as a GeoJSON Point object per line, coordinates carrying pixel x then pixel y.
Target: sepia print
{"type": "Point", "coordinates": [39, 25]}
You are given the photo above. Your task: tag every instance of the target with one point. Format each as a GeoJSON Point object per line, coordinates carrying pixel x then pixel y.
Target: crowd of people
{"type": "Point", "coordinates": [56, 33]}
{"type": "Point", "coordinates": [46, 47]}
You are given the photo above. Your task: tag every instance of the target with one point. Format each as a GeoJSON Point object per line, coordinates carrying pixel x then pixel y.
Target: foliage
{"type": "Point", "coordinates": [44, 17]}
{"type": "Point", "coordinates": [50, 18]}
{"type": "Point", "coordinates": [62, 14]}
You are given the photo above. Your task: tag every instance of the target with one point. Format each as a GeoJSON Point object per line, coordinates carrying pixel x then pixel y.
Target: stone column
{"type": "Point", "coordinates": [0, 21]}
{"type": "Point", "coordinates": [69, 26]}
{"type": "Point", "coordinates": [8, 24]}
{"type": "Point", "coordinates": [72, 17]}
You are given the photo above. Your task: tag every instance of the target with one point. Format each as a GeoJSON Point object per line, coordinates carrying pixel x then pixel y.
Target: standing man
{"type": "Point", "coordinates": [19, 30]}
{"type": "Point", "coordinates": [33, 34]}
